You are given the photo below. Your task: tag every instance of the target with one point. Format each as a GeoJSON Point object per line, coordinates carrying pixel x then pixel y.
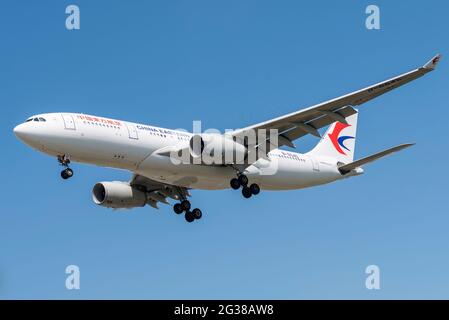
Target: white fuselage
{"type": "Point", "coordinates": [131, 146]}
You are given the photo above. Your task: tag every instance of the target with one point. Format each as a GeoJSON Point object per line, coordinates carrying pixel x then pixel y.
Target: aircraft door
{"type": "Point", "coordinates": [69, 122]}
{"type": "Point", "coordinates": [315, 164]}
{"type": "Point", "coordinates": [132, 131]}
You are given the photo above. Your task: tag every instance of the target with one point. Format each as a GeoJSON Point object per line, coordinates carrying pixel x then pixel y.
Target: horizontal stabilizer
{"type": "Point", "coordinates": [350, 166]}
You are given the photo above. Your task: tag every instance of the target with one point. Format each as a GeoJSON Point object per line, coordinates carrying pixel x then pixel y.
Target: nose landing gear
{"type": "Point", "coordinates": [67, 172]}
{"type": "Point", "coordinates": [184, 206]}
{"type": "Point", "coordinates": [242, 181]}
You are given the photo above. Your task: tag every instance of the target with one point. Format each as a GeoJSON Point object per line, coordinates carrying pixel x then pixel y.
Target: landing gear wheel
{"type": "Point", "coordinates": [235, 184]}
{"type": "Point", "coordinates": [243, 180]}
{"type": "Point", "coordinates": [66, 173]}
{"type": "Point", "coordinates": [189, 216]}
{"type": "Point", "coordinates": [197, 214]}
{"type": "Point", "coordinates": [185, 204]}
{"type": "Point", "coordinates": [246, 192]}
{"type": "Point", "coordinates": [69, 172]}
{"type": "Point", "coordinates": [255, 189]}
{"type": "Point", "coordinates": [177, 208]}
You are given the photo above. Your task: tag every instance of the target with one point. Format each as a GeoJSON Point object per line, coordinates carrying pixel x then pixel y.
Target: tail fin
{"type": "Point", "coordinates": [338, 141]}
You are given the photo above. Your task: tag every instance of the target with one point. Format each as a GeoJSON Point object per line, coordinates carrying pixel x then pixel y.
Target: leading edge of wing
{"type": "Point", "coordinates": [355, 98]}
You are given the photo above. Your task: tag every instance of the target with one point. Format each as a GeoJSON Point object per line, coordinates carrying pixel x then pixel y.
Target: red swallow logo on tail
{"type": "Point", "coordinates": [337, 141]}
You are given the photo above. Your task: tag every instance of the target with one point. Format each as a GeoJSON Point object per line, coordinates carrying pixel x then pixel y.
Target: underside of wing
{"type": "Point", "coordinates": [307, 121]}
{"type": "Point", "coordinates": [158, 191]}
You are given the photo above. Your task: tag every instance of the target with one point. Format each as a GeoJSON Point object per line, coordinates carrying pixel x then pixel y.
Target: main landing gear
{"type": "Point", "coordinates": [67, 172]}
{"type": "Point", "coordinates": [242, 181]}
{"type": "Point", "coordinates": [184, 206]}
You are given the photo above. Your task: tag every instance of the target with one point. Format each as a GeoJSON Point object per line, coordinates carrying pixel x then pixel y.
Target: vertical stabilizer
{"type": "Point", "coordinates": [338, 141]}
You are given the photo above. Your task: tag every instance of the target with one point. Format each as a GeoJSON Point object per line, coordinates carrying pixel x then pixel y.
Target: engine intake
{"type": "Point", "coordinates": [117, 195]}
{"type": "Point", "coordinates": [196, 146]}
{"type": "Point", "coordinates": [217, 149]}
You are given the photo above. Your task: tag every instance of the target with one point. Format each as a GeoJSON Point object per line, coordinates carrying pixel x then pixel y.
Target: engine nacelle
{"type": "Point", "coordinates": [216, 149]}
{"type": "Point", "coordinates": [117, 195]}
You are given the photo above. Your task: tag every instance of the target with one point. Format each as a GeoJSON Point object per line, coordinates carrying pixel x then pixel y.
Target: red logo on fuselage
{"type": "Point", "coordinates": [99, 120]}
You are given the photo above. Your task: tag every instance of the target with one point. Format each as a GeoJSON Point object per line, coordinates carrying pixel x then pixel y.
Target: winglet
{"type": "Point", "coordinates": [433, 62]}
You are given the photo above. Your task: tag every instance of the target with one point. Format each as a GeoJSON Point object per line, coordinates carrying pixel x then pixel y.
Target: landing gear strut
{"type": "Point", "coordinates": [242, 181]}
{"type": "Point", "coordinates": [67, 172]}
{"type": "Point", "coordinates": [184, 206]}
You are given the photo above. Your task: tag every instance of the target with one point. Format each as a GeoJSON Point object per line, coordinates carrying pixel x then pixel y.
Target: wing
{"type": "Point", "coordinates": [307, 121]}
{"type": "Point", "coordinates": [158, 191]}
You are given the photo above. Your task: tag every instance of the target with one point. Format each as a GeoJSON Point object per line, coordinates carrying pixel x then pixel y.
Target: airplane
{"type": "Point", "coordinates": [147, 151]}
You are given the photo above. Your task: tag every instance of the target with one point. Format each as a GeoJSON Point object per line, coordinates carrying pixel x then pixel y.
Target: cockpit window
{"type": "Point", "coordinates": [40, 119]}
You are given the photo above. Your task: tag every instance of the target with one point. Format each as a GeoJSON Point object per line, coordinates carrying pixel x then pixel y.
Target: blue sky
{"type": "Point", "coordinates": [228, 64]}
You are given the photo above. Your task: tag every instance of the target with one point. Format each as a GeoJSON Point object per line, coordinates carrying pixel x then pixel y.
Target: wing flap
{"type": "Point", "coordinates": [317, 123]}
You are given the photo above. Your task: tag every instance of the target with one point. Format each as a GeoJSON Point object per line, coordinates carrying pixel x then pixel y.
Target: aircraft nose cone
{"type": "Point", "coordinates": [27, 134]}
{"type": "Point", "coordinates": [20, 131]}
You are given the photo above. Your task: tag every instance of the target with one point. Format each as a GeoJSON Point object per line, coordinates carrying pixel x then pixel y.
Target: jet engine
{"type": "Point", "coordinates": [216, 149]}
{"type": "Point", "coordinates": [117, 195]}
